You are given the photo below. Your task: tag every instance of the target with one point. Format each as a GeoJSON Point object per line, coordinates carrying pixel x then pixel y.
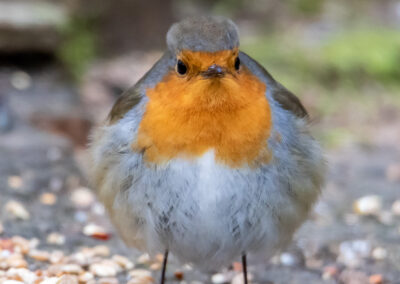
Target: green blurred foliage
{"type": "Point", "coordinates": [351, 59]}
{"type": "Point", "coordinates": [79, 48]}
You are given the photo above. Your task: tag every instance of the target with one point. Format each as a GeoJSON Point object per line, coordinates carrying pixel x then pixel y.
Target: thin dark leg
{"type": "Point", "coordinates": [244, 264]}
{"type": "Point", "coordinates": [164, 267]}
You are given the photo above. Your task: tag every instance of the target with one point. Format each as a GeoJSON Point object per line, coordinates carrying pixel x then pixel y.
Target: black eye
{"type": "Point", "coordinates": [181, 67]}
{"type": "Point", "coordinates": [237, 63]}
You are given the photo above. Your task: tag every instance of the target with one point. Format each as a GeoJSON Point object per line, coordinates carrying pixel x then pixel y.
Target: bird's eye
{"type": "Point", "coordinates": [237, 63]}
{"type": "Point", "coordinates": [181, 67]}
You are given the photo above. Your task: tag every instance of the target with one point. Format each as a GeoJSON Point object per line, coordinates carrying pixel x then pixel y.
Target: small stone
{"type": "Point", "coordinates": [82, 197]}
{"type": "Point", "coordinates": [102, 270]}
{"type": "Point", "coordinates": [288, 259]}
{"type": "Point", "coordinates": [22, 274]}
{"type": "Point", "coordinates": [55, 238]}
{"type": "Point", "coordinates": [238, 279]}
{"type": "Point", "coordinates": [330, 272]}
{"type": "Point", "coordinates": [379, 253]}
{"type": "Point", "coordinates": [396, 208]}
{"type": "Point", "coordinates": [68, 279]}
{"type": "Point", "coordinates": [155, 266]}
{"type": "Point", "coordinates": [352, 253]}
{"type": "Point", "coordinates": [376, 279]}
{"type": "Point", "coordinates": [144, 259]}
{"type": "Point", "coordinates": [368, 205]}
{"type": "Point", "coordinates": [21, 80]}
{"type": "Point", "coordinates": [218, 278]}
{"type": "Point", "coordinates": [39, 255]}
{"type": "Point", "coordinates": [21, 244]}
{"type": "Point", "coordinates": [101, 251]}
{"type": "Point", "coordinates": [56, 256]}
{"type": "Point", "coordinates": [85, 277]}
{"type": "Point", "coordinates": [17, 210]}
{"type": "Point", "coordinates": [70, 268]}
{"type": "Point", "coordinates": [15, 182]}
{"type": "Point", "coordinates": [96, 231]}
{"type": "Point", "coordinates": [17, 262]}
{"type": "Point", "coordinates": [139, 274]}
{"type": "Point", "coordinates": [123, 261]}
{"type": "Point", "coordinates": [12, 282]}
{"type": "Point", "coordinates": [179, 275]}
{"type": "Point", "coordinates": [108, 281]}
{"type": "Point", "coordinates": [48, 198]}
{"type": "Point", "coordinates": [50, 280]}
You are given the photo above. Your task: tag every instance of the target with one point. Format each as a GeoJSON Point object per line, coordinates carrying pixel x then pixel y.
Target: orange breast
{"type": "Point", "coordinates": [185, 117]}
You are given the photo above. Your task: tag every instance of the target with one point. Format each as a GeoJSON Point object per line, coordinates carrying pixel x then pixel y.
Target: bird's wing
{"type": "Point", "coordinates": [131, 97]}
{"type": "Point", "coordinates": [284, 97]}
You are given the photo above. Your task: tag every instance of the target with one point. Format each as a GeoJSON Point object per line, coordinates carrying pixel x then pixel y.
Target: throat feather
{"type": "Point", "coordinates": [186, 118]}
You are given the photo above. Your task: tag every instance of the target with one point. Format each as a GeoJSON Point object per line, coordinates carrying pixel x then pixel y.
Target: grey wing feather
{"type": "Point", "coordinates": [131, 97]}
{"type": "Point", "coordinates": [284, 97]}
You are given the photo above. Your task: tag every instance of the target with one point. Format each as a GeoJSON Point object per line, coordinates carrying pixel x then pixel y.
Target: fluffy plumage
{"type": "Point", "coordinates": [201, 209]}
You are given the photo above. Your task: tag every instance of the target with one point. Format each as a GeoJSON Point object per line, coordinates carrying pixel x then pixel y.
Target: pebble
{"type": "Point", "coordinates": [352, 253]}
{"type": "Point", "coordinates": [108, 281]}
{"type": "Point", "coordinates": [238, 279]}
{"type": "Point", "coordinates": [103, 270]}
{"type": "Point", "coordinates": [379, 253]}
{"type": "Point", "coordinates": [376, 279]}
{"type": "Point", "coordinates": [67, 279]}
{"type": "Point", "coordinates": [85, 277]}
{"type": "Point", "coordinates": [48, 198]}
{"type": "Point", "coordinates": [178, 275]}
{"type": "Point", "coordinates": [123, 261]}
{"type": "Point", "coordinates": [144, 259]}
{"type": "Point", "coordinates": [330, 272]}
{"type": "Point", "coordinates": [39, 255]}
{"type": "Point", "coordinates": [155, 266]}
{"type": "Point", "coordinates": [56, 256]}
{"type": "Point", "coordinates": [12, 282]}
{"type": "Point", "coordinates": [82, 197]}
{"type": "Point", "coordinates": [23, 274]}
{"type": "Point", "coordinates": [17, 210]}
{"type": "Point", "coordinates": [95, 231]}
{"type": "Point", "coordinates": [218, 278]}
{"type": "Point", "coordinates": [139, 273]}
{"type": "Point", "coordinates": [15, 182]}
{"type": "Point", "coordinates": [21, 244]}
{"type": "Point", "coordinates": [368, 205]}
{"type": "Point", "coordinates": [55, 239]}
{"type": "Point", "coordinates": [69, 268]}
{"type": "Point", "coordinates": [289, 259]}
{"type": "Point", "coordinates": [21, 80]}
{"type": "Point", "coordinates": [396, 208]}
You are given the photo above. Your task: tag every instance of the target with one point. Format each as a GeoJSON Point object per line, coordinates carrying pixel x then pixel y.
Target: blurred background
{"type": "Point", "coordinates": [63, 64]}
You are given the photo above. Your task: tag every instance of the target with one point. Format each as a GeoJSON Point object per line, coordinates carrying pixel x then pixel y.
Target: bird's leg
{"type": "Point", "coordinates": [164, 268]}
{"type": "Point", "coordinates": [244, 264]}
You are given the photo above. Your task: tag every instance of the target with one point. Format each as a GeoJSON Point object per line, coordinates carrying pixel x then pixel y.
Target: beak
{"type": "Point", "coordinates": [213, 71]}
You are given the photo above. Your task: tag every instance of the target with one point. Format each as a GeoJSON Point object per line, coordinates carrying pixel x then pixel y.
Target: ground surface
{"type": "Point", "coordinates": [43, 196]}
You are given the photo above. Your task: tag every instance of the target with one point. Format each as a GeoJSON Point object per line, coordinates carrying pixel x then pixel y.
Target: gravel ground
{"type": "Point", "coordinates": [53, 230]}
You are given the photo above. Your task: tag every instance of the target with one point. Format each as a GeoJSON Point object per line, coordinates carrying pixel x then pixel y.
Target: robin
{"type": "Point", "coordinates": [207, 156]}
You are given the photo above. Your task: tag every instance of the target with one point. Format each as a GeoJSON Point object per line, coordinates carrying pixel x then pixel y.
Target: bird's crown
{"type": "Point", "coordinates": [203, 33]}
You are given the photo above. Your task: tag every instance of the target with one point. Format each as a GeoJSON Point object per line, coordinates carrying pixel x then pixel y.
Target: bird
{"type": "Point", "coordinates": [207, 157]}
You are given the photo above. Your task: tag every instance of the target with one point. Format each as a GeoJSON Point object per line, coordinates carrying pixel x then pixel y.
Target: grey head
{"type": "Point", "coordinates": [203, 33]}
